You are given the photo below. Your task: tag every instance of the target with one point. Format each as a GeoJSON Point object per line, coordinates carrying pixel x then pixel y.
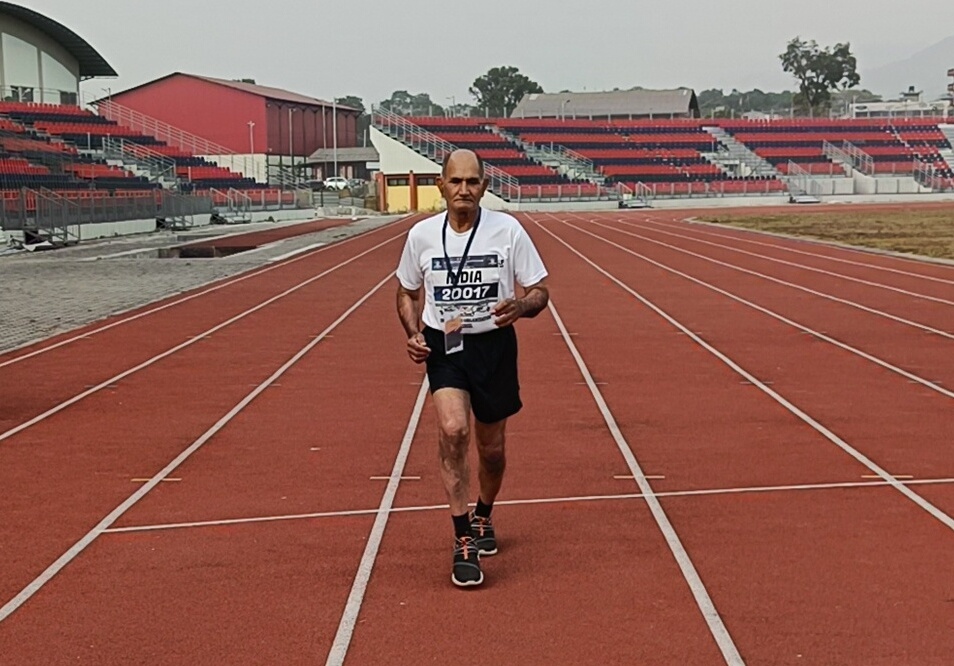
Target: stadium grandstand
{"type": "Point", "coordinates": [650, 145]}
{"type": "Point", "coordinates": [63, 165]}
{"type": "Point", "coordinates": [186, 145]}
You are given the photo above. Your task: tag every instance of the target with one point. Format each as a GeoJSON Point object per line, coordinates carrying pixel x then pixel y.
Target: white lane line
{"type": "Point", "coordinates": [703, 492]}
{"type": "Point", "coordinates": [945, 519]}
{"type": "Point", "coordinates": [738, 233]}
{"type": "Point", "coordinates": [820, 294]}
{"type": "Point", "coordinates": [293, 253]}
{"type": "Point", "coordinates": [818, 334]}
{"type": "Point", "coordinates": [716, 626]}
{"type": "Point", "coordinates": [145, 364]}
{"type": "Point", "coordinates": [27, 592]}
{"type": "Point", "coordinates": [803, 267]}
{"type": "Point", "coordinates": [216, 287]}
{"type": "Point", "coordinates": [339, 648]}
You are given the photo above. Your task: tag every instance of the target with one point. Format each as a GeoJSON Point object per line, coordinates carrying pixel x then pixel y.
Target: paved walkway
{"type": "Point", "coordinates": [45, 293]}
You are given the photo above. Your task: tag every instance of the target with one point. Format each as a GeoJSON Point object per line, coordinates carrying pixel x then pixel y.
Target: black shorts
{"type": "Point", "coordinates": [486, 368]}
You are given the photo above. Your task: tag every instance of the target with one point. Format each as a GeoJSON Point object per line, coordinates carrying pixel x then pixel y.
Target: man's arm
{"type": "Point", "coordinates": [530, 305]}
{"type": "Point", "coordinates": [409, 305]}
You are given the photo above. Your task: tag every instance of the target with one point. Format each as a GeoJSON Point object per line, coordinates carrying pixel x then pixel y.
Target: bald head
{"type": "Point", "coordinates": [462, 159]}
{"type": "Point", "coordinates": [462, 184]}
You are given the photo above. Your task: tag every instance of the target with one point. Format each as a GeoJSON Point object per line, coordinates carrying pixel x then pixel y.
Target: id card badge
{"type": "Point", "coordinates": [453, 331]}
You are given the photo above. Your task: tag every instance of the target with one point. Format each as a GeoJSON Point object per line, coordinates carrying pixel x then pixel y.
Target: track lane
{"type": "Point", "coordinates": [919, 349]}
{"type": "Point", "coordinates": [793, 249]}
{"type": "Point", "coordinates": [103, 348]}
{"type": "Point", "coordinates": [95, 448]}
{"type": "Point", "coordinates": [297, 572]}
{"type": "Point", "coordinates": [908, 422]}
{"type": "Point", "coordinates": [607, 557]}
{"type": "Point", "coordinates": [761, 555]}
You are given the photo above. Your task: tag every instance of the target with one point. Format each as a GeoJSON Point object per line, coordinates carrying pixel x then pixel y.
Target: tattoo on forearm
{"type": "Point", "coordinates": [534, 302]}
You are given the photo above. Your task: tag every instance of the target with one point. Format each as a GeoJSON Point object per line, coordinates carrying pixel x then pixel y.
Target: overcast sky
{"type": "Point", "coordinates": [332, 48]}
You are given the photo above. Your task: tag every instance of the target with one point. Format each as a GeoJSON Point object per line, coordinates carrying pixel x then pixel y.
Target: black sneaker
{"type": "Point", "coordinates": [483, 531]}
{"type": "Point", "coordinates": [466, 570]}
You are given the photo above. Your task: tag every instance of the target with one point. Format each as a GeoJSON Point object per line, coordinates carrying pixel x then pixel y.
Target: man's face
{"type": "Point", "coordinates": [462, 184]}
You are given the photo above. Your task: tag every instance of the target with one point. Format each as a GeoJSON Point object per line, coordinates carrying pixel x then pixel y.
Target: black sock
{"type": "Point", "coordinates": [461, 525]}
{"type": "Point", "coordinates": [483, 510]}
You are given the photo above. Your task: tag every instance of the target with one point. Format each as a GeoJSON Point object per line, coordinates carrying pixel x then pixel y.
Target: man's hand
{"type": "Point", "coordinates": [533, 302]}
{"type": "Point", "coordinates": [417, 348]}
{"type": "Point", "coordinates": [508, 311]}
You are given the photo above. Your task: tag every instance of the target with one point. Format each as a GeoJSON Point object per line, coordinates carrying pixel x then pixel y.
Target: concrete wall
{"type": "Point", "coordinates": [826, 187]}
{"type": "Point", "coordinates": [886, 184]}
{"type": "Point", "coordinates": [44, 44]}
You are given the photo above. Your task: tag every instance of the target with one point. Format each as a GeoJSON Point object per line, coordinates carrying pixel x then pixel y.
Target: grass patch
{"type": "Point", "coordinates": [924, 232]}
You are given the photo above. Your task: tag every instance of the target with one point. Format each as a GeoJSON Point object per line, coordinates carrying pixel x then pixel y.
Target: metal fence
{"type": "Point", "coordinates": [61, 216]}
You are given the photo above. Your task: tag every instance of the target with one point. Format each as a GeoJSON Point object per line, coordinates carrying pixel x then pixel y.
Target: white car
{"type": "Point", "coordinates": [336, 183]}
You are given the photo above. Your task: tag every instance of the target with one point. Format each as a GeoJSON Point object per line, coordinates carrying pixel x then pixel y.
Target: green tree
{"type": "Point", "coordinates": [715, 103]}
{"type": "Point", "coordinates": [364, 120]}
{"type": "Point", "coordinates": [353, 101]}
{"type": "Point", "coordinates": [404, 103]}
{"type": "Point", "coordinates": [819, 71]}
{"type": "Point", "coordinates": [501, 89]}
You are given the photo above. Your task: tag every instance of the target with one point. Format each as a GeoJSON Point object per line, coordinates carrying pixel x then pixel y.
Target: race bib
{"type": "Point", "coordinates": [453, 331]}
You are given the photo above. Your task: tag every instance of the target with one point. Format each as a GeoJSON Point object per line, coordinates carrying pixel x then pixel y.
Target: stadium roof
{"type": "Point", "coordinates": [91, 63]}
{"type": "Point", "coordinates": [276, 94]}
{"type": "Point", "coordinates": [638, 103]}
{"type": "Point", "coordinates": [348, 154]}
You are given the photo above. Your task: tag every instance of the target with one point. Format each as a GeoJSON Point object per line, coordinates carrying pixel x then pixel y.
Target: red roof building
{"type": "Point", "coordinates": [244, 117]}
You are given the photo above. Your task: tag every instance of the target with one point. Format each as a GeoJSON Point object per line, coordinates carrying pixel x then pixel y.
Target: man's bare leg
{"type": "Point", "coordinates": [453, 422]}
{"type": "Point", "coordinates": [491, 452]}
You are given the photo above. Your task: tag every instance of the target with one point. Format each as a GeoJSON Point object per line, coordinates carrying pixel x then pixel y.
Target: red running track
{"type": "Point", "coordinates": [792, 504]}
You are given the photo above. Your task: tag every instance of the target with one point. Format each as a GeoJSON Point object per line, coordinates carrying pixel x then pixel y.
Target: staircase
{"type": "Point", "coordinates": [238, 207]}
{"type": "Point", "coordinates": [948, 153]}
{"type": "Point", "coordinates": [435, 149]}
{"type": "Point", "coordinates": [139, 159]}
{"type": "Point", "coordinates": [561, 159]}
{"type": "Point", "coordinates": [736, 159]}
{"type": "Point", "coordinates": [838, 156]}
{"type": "Point", "coordinates": [54, 220]}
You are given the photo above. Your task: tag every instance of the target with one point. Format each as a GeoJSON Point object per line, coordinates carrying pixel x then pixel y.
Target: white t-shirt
{"type": "Point", "coordinates": [501, 255]}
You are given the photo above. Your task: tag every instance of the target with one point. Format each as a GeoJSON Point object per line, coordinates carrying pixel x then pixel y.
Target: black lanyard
{"type": "Point", "coordinates": [451, 277]}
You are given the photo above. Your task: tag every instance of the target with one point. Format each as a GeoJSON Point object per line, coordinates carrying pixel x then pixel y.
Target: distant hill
{"type": "Point", "coordinates": [925, 70]}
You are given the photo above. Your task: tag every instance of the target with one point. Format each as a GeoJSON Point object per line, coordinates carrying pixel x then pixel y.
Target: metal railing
{"type": "Point", "coordinates": [179, 138]}
{"type": "Point", "coordinates": [719, 188]}
{"type": "Point", "coordinates": [836, 154]}
{"type": "Point", "coordinates": [728, 152]}
{"type": "Point", "coordinates": [927, 175]}
{"type": "Point", "coordinates": [159, 166]}
{"type": "Point", "coordinates": [803, 182]}
{"type": "Point", "coordinates": [435, 148]}
{"type": "Point", "coordinates": [501, 183]}
{"type": "Point", "coordinates": [861, 160]}
{"type": "Point", "coordinates": [61, 216]}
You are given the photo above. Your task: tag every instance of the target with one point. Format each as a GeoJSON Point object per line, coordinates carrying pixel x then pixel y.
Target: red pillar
{"type": "Point", "coordinates": [412, 183]}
